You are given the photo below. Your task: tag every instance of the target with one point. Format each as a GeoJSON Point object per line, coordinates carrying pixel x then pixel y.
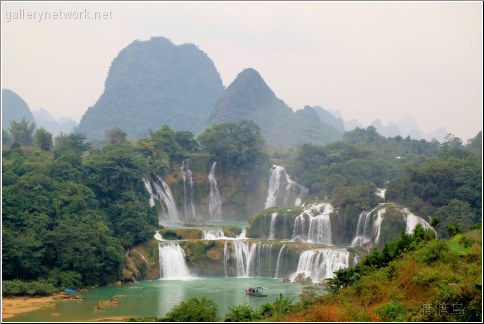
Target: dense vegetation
{"type": "Point", "coordinates": [70, 210]}
{"type": "Point", "coordinates": [442, 181]}
{"type": "Point", "coordinates": [415, 278]}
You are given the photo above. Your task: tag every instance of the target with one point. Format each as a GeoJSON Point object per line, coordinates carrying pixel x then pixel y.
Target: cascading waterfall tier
{"type": "Point", "coordinates": [188, 195]}
{"type": "Point", "coordinates": [368, 229]}
{"type": "Point", "coordinates": [413, 220]}
{"type": "Point", "coordinates": [213, 234]}
{"type": "Point", "coordinates": [366, 232]}
{"type": "Point", "coordinates": [158, 236]}
{"type": "Point", "coordinates": [321, 264]}
{"type": "Point", "coordinates": [215, 201]}
{"type": "Point", "coordinates": [160, 191]}
{"type": "Point", "coordinates": [313, 225]}
{"type": "Point", "coordinates": [172, 261]}
{"type": "Point", "coordinates": [292, 187]}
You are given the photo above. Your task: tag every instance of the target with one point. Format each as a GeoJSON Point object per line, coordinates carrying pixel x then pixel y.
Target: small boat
{"type": "Point", "coordinates": [257, 292]}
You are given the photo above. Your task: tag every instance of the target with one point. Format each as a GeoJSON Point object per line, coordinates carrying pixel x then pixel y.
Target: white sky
{"type": "Point", "coordinates": [368, 60]}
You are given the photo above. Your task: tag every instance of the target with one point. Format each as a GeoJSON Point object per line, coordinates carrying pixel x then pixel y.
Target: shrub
{"type": "Point", "coordinates": [393, 311]}
{"type": "Point", "coordinates": [193, 310]}
{"type": "Point", "coordinates": [240, 313]}
{"type": "Point", "coordinates": [22, 288]}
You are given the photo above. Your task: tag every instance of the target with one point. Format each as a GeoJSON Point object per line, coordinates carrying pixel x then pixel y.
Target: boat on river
{"type": "Point", "coordinates": [257, 292]}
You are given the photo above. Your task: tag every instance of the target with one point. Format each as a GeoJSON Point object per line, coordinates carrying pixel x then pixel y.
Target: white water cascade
{"type": "Point", "coordinates": [272, 226]}
{"type": "Point", "coordinates": [278, 262]}
{"type": "Point", "coordinates": [412, 221]}
{"type": "Point", "coordinates": [240, 253]}
{"type": "Point", "coordinates": [163, 193]}
{"type": "Point", "coordinates": [377, 224]}
{"type": "Point", "coordinates": [172, 262]}
{"type": "Point", "coordinates": [187, 197]}
{"type": "Point", "coordinates": [313, 225]}
{"type": "Point", "coordinates": [213, 234]}
{"type": "Point", "coordinates": [150, 191]}
{"type": "Point", "coordinates": [274, 188]}
{"type": "Point", "coordinates": [158, 236]}
{"type": "Point", "coordinates": [215, 201]}
{"type": "Point", "coordinates": [362, 229]}
{"type": "Point", "coordinates": [321, 264]}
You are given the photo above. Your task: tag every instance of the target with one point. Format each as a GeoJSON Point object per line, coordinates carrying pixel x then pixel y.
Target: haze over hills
{"type": "Point", "coordinates": [154, 82]}
{"type": "Point", "coordinates": [249, 98]}
{"type": "Point", "coordinates": [14, 108]}
{"type": "Point", "coordinates": [45, 120]}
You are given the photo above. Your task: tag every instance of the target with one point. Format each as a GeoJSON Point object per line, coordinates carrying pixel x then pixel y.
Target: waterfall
{"type": "Point", "coordinates": [278, 262]}
{"type": "Point", "coordinates": [320, 227]}
{"type": "Point", "coordinates": [274, 188]}
{"type": "Point", "coordinates": [380, 192]}
{"type": "Point", "coordinates": [321, 264]}
{"type": "Point", "coordinates": [241, 256]}
{"type": "Point", "coordinates": [150, 191]}
{"type": "Point", "coordinates": [272, 226]}
{"type": "Point", "coordinates": [172, 262]}
{"type": "Point", "coordinates": [187, 174]}
{"type": "Point", "coordinates": [213, 234]}
{"type": "Point", "coordinates": [362, 236]}
{"type": "Point", "coordinates": [215, 202]}
{"type": "Point", "coordinates": [313, 225]}
{"type": "Point", "coordinates": [274, 183]}
{"type": "Point", "coordinates": [248, 260]}
{"type": "Point", "coordinates": [377, 224]}
{"type": "Point", "coordinates": [412, 221]}
{"type": "Point", "coordinates": [242, 235]}
{"type": "Point", "coordinates": [170, 210]}
{"type": "Point", "coordinates": [158, 236]}
{"type": "Point", "coordinates": [226, 257]}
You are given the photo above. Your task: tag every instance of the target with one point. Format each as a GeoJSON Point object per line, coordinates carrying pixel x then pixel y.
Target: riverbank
{"type": "Point", "coordinates": [13, 306]}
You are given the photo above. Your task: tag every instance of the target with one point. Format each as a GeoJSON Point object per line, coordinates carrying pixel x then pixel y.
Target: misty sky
{"type": "Point", "coordinates": [370, 60]}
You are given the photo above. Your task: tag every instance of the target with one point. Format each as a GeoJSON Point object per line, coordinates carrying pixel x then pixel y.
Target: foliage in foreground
{"type": "Point", "coordinates": [193, 310]}
{"type": "Point", "coordinates": [439, 280]}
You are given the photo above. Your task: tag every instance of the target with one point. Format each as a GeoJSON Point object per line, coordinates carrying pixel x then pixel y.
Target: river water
{"type": "Point", "coordinates": [154, 298]}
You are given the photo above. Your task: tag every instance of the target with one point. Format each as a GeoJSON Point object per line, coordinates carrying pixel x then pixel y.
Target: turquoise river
{"type": "Point", "coordinates": [154, 298]}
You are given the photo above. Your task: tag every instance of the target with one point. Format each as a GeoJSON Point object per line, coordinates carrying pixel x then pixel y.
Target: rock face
{"type": "Point", "coordinates": [14, 108]}
{"type": "Point", "coordinates": [154, 82]}
{"type": "Point", "coordinates": [250, 98]}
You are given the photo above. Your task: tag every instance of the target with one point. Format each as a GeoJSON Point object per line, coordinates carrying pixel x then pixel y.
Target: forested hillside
{"type": "Point", "coordinates": [70, 210]}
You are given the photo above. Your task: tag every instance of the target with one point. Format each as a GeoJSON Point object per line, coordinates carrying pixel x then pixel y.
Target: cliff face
{"type": "Point", "coordinates": [152, 83]}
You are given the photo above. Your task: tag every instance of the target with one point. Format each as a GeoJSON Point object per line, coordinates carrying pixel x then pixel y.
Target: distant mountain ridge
{"type": "Point", "coordinates": [154, 82]}
{"type": "Point", "coordinates": [248, 97]}
{"type": "Point", "coordinates": [45, 120]}
{"type": "Point", "coordinates": [14, 108]}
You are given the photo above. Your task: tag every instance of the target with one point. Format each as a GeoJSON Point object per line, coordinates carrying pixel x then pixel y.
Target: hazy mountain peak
{"type": "Point", "coordinates": [155, 82]}
{"type": "Point", "coordinates": [14, 108]}
{"type": "Point", "coordinates": [43, 114]}
{"type": "Point", "coordinates": [248, 97]}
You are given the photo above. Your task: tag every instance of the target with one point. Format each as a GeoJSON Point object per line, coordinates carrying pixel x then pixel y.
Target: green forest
{"type": "Point", "coordinates": [72, 208]}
